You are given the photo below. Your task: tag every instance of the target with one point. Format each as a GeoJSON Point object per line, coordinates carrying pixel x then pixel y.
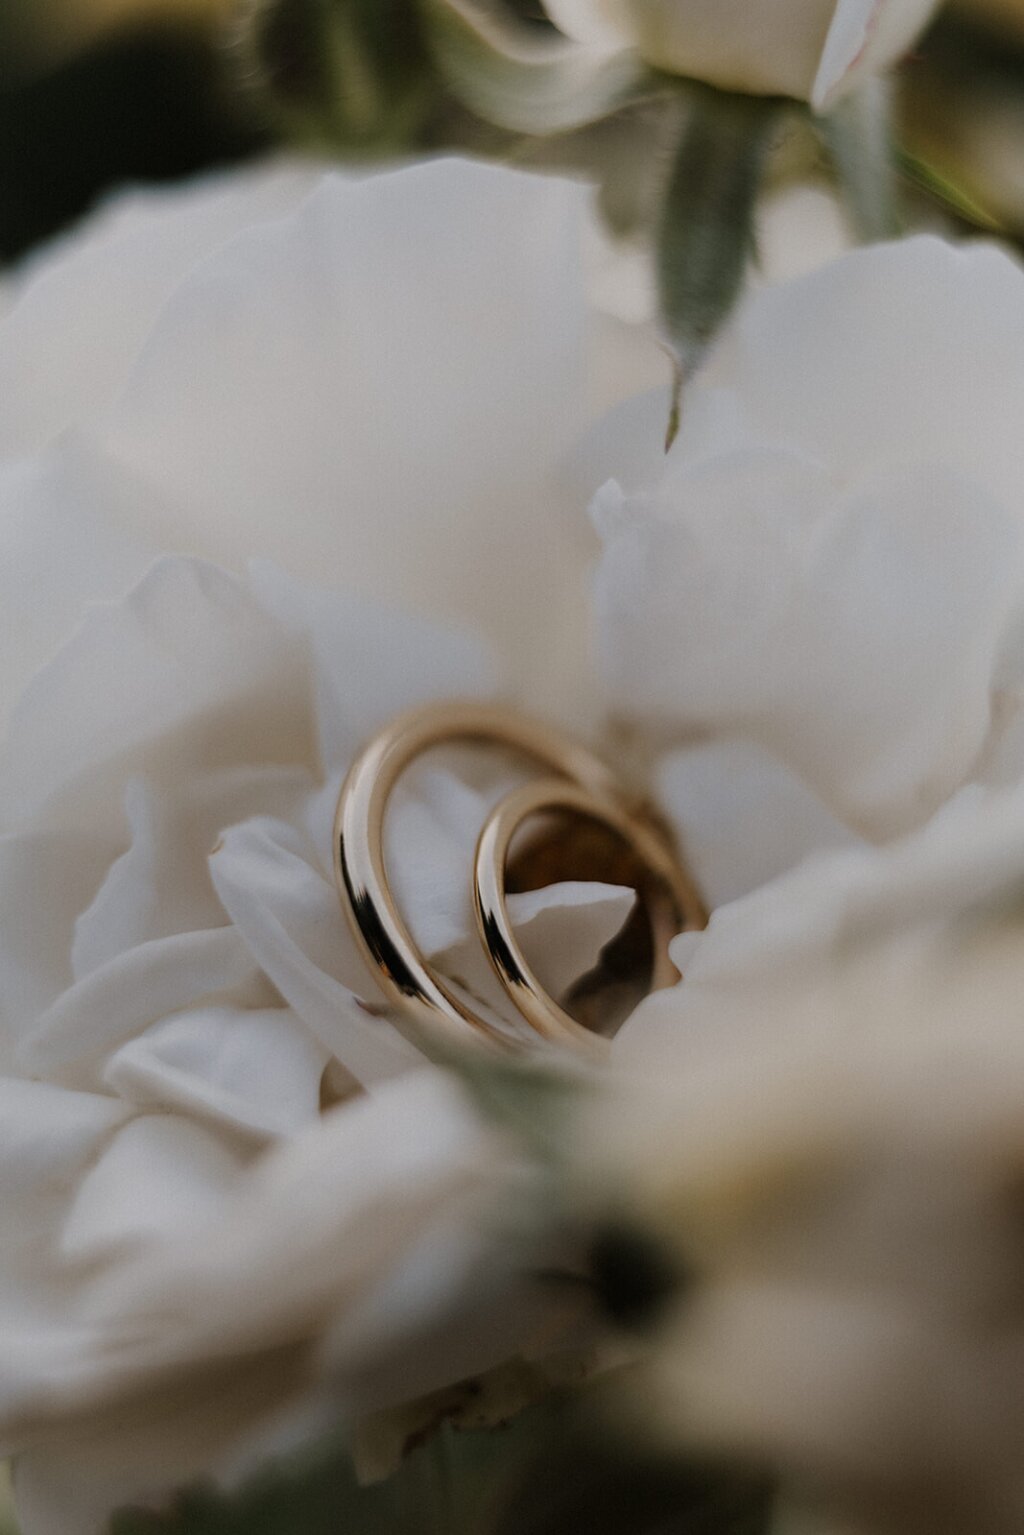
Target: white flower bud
{"type": "Point", "coordinates": [815, 50]}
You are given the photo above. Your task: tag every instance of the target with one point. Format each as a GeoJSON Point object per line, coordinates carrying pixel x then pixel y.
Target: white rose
{"type": "Point", "coordinates": [820, 596]}
{"type": "Point", "coordinates": [815, 50]}
{"type": "Point", "coordinates": [822, 1126]}
{"type": "Point", "coordinates": [337, 389]}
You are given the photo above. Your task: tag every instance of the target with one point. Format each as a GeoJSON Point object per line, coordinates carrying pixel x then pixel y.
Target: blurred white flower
{"type": "Point", "coordinates": [313, 369]}
{"type": "Point", "coordinates": [822, 1126]}
{"type": "Point", "coordinates": [815, 50]}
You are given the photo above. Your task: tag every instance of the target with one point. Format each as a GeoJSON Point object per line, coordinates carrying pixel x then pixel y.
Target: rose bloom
{"type": "Point", "coordinates": [815, 50]}
{"type": "Point", "coordinates": [287, 367]}
{"type": "Point", "coordinates": [323, 450]}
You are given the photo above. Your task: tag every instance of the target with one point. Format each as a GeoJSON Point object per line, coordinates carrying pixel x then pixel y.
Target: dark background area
{"type": "Point", "coordinates": [151, 105]}
{"type": "Point", "coordinates": [163, 102]}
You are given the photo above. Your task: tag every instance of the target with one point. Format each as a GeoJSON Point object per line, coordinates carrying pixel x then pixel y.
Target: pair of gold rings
{"type": "Point", "coordinates": [576, 782]}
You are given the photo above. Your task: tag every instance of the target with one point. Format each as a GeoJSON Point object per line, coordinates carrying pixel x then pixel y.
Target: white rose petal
{"type": "Point", "coordinates": [283, 909]}
{"type": "Point", "coordinates": [46, 879]}
{"type": "Point", "coordinates": [253, 1071]}
{"type": "Point", "coordinates": [790, 932]}
{"type": "Point", "coordinates": [158, 1177]}
{"type": "Point", "coordinates": [159, 886]}
{"type": "Point", "coordinates": [105, 287]}
{"type": "Point", "coordinates": [831, 566]}
{"type": "Point", "coordinates": [61, 546]}
{"type": "Point", "coordinates": [100, 1012]}
{"type": "Point", "coordinates": [865, 37]}
{"type": "Point", "coordinates": [747, 817]}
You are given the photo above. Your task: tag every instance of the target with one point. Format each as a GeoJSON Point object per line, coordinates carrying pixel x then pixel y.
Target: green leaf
{"type": "Point", "coordinates": [523, 79]}
{"type": "Point", "coordinates": [707, 224]}
{"type": "Point", "coordinates": [857, 135]}
{"type": "Point", "coordinates": [942, 187]}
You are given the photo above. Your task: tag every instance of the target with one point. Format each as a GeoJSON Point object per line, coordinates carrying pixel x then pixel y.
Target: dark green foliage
{"type": "Point", "coordinates": [584, 1480]}
{"type": "Point", "coordinates": [556, 1470]}
{"type": "Point", "coordinates": [151, 105]}
{"type": "Point", "coordinates": [351, 74]}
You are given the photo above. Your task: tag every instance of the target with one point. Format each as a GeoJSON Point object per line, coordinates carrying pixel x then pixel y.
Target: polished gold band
{"type": "Point", "coordinates": [581, 784]}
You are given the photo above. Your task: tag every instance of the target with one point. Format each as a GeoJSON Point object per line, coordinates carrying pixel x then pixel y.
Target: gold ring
{"type": "Point", "coordinates": [672, 902]}
{"type": "Point", "coordinates": [582, 783]}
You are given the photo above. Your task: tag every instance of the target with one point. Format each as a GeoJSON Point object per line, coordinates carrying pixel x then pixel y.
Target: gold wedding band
{"type": "Point", "coordinates": [581, 784]}
{"type": "Point", "coordinates": [671, 900]}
